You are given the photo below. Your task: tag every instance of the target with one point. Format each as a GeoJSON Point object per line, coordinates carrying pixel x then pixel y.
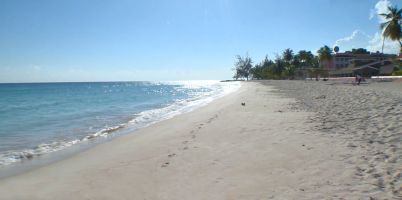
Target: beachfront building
{"type": "Point", "coordinates": [362, 62]}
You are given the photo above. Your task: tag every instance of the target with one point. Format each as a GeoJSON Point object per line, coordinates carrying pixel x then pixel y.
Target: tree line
{"type": "Point", "coordinates": [287, 65]}
{"type": "Point", "coordinates": [284, 66]}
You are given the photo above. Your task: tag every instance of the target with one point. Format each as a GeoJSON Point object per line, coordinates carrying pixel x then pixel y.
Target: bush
{"type": "Point", "coordinates": [397, 73]}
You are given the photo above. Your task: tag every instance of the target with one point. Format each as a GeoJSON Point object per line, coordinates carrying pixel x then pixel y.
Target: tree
{"type": "Point", "coordinates": [315, 62]}
{"type": "Point", "coordinates": [360, 51]}
{"type": "Point", "coordinates": [336, 49]}
{"type": "Point", "coordinates": [288, 55]}
{"type": "Point", "coordinates": [262, 70]}
{"type": "Point", "coordinates": [296, 61]}
{"type": "Point", "coordinates": [288, 61]}
{"type": "Point", "coordinates": [324, 54]}
{"type": "Point", "coordinates": [289, 71]}
{"type": "Point", "coordinates": [391, 28]}
{"type": "Point", "coordinates": [284, 66]}
{"type": "Point", "coordinates": [236, 76]}
{"type": "Point", "coordinates": [306, 58]}
{"type": "Point", "coordinates": [278, 67]}
{"type": "Point", "coordinates": [257, 72]}
{"type": "Point", "coordinates": [243, 67]}
{"type": "Point", "coordinates": [314, 69]}
{"type": "Point", "coordinates": [267, 62]}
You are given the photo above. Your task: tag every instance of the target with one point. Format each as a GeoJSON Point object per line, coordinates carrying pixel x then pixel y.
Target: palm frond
{"type": "Point", "coordinates": [385, 24]}
{"type": "Point", "coordinates": [392, 27]}
{"type": "Point", "coordinates": [399, 13]}
{"type": "Point", "coordinates": [392, 9]}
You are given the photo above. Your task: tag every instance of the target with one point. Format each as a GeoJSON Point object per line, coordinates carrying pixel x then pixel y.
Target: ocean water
{"type": "Point", "coordinates": [40, 118]}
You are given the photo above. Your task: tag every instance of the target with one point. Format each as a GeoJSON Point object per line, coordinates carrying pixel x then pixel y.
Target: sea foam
{"type": "Point", "coordinates": [200, 93]}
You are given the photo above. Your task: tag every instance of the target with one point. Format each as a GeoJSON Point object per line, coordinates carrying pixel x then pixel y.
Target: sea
{"type": "Point", "coordinates": [39, 119]}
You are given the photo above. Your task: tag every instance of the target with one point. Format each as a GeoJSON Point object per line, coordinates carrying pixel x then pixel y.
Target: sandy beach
{"type": "Point", "coordinates": [367, 119]}
{"type": "Point", "coordinates": [291, 140]}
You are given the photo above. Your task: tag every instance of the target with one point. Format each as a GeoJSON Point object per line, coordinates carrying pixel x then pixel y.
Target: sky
{"type": "Point", "coordinates": [161, 40]}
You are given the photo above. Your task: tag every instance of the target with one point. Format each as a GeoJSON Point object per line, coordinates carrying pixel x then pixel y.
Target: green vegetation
{"type": "Point", "coordinates": [360, 51]}
{"type": "Point", "coordinates": [391, 28]}
{"type": "Point", "coordinates": [285, 66]}
{"type": "Point", "coordinates": [305, 64]}
{"type": "Point", "coordinates": [397, 69]}
{"type": "Point", "coordinates": [325, 54]}
{"type": "Point", "coordinates": [397, 73]}
{"type": "Point", "coordinates": [243, 67]}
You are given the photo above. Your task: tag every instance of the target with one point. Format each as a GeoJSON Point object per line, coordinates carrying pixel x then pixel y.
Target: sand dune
{"type": "Point", "coordinates": [271, 148]}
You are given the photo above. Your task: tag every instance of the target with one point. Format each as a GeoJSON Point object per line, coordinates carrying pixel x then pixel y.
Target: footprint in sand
{"type": "Point", "coordinates": [200, 126]}
{"type": "Point", "coordinates": [212, 119]}
{"type": "Point", "coordinates": [165, 164]}
{"type": "Point", "coordinates": [218, 180]}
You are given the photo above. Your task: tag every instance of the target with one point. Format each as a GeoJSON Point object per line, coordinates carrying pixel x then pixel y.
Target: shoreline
{"type": "Point", "coordinates": [31, 160]}
{"type": "Point", "coordinates": [263, 150]}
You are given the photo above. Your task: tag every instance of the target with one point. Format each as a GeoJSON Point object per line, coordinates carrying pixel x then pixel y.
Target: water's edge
{"type": "Point", "coordinates": [34, 158]}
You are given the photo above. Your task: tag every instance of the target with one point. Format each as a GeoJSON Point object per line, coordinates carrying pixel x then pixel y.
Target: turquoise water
{"type": "Point", "coordinates": [41, 118]}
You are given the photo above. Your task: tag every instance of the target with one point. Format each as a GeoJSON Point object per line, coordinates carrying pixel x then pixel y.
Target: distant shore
{"type": "Point", "coordinates": [291, 140]}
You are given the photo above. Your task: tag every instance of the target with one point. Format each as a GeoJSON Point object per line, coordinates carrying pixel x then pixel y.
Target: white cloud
{"type": "Point", "coordinates": [375, 44]}
{"type": "Point", "coordinates": [359, 39]}
{"type": "Point", "coordinates": [376, 41]}
{"type": "Point", "coordinates": [380, 7]}
{"type": "Point", "coordinates": [356, 40]}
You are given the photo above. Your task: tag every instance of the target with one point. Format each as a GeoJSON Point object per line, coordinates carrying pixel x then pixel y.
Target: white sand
{"type": "Point", "coordinates": [264, 150]}
{"type": "Point", "coordinates": [367, 119]}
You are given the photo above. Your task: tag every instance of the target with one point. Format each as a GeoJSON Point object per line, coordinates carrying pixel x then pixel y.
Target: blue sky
{"type": "Point", "coordinates": [119, 40]}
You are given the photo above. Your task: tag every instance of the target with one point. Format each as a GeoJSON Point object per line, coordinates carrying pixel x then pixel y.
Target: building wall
{"type": "Point", "coordinates": [344, 64]}
{"type": "Point", "coordinates": [343, 60]}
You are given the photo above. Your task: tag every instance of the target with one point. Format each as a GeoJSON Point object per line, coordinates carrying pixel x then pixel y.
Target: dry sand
{"type": "Point", "coordinates": [271, 148]}
{"type": "Point", "coordinates": [367, 119]}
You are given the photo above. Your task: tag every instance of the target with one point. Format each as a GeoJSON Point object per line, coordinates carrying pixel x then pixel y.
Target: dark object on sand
{"type": "Point", "coordinates": [321, 97]}
{"type": "Point", "coordinates": [243, 104]}
{"type": "Point", "coordinates": [358, 79]}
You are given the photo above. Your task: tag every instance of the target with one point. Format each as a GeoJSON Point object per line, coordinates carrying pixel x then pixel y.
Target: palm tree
{"type": "Point", "coordinates": [279, 67]}
{"type": "Point", "coordinates": [306, 57]}
{"type": "Point", "coordinates": [288, 55]}
{"type": "Point", "coordinates": [391, 28]}
{"type": "Point", "coordinates": [325, 56]}
{"type": "Point", "coordinates": [289, 66]}
{"type": "Point", "coordinates": [325, 53]}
